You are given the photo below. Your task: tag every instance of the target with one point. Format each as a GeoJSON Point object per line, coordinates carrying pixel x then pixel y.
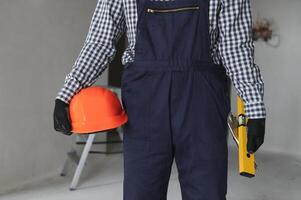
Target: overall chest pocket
{"type": "Point", "coordinates": [170, 30]}
{"type": "Point", "coordinates": [171, 10]}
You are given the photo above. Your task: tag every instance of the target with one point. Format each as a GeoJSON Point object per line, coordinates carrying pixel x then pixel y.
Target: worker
{"type": "Point", "coordinates": [179, 56]}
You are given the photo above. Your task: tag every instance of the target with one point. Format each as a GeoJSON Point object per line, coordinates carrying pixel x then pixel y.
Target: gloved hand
{"type": "Point", "coordinates": [61, 117]}
{"type": "Point", "coordinates": [256, 132]}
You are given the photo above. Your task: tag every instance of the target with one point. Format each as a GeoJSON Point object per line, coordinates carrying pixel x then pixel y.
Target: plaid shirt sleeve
{"type": "Point", "coordinates": [236, 51]}
{"type": "Point", "coordinates": [106, 27]}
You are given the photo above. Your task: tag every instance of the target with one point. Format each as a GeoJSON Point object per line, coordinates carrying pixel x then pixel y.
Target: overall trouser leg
{"type": "Point", "coordinates": [148, 151]}
{"type": "Point", "coordinates": [175, 99]}
{"type": "Point", "coordinates": [200, 134]}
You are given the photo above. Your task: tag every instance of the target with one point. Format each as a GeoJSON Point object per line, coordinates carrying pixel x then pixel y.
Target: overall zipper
{"type": "Point", "coordinates": [150, 10]}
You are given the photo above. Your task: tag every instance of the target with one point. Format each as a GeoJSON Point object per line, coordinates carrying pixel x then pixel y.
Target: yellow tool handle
{"type": "Point", "coordinates": [246, 160]}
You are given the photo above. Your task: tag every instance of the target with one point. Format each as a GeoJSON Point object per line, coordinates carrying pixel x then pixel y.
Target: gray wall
{"type": "Point", "coordinates": [39, 42]}
{"type": "Point", "coordinates": [281, 69]}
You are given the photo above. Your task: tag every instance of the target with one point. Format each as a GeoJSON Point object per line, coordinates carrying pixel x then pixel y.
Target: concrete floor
{"type": "Point", "coordinates": [278, 178]}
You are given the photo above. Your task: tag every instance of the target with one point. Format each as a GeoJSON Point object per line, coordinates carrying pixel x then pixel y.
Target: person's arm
{"type": "Point", "coordinates": [236, 49]}
{"type": "Point", "coordinates": [106, 27]}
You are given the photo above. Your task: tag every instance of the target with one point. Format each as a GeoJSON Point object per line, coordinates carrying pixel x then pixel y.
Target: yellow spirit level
{"type": "Point", "coordinates": [238, 129]}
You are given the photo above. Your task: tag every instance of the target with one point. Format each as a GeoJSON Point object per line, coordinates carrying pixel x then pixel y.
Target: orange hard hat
{"type": "Point", "coordinates": [95, 109]}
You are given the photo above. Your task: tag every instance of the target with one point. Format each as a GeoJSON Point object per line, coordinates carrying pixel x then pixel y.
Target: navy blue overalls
{"type": "Point", "coordinates": [175, 98]}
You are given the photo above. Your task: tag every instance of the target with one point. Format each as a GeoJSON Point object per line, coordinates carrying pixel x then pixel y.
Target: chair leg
{"type": "Point", "coordinates": [65, 167]}
{"type": "Point", "coordinates": [72, 157]}
{"type": "Point", "coordinates": [82, 161]}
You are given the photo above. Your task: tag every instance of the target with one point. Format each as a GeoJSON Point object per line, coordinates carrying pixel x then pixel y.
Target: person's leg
{"type": "Point", "coordinates": [200, 134]}
{"type": "Point", "coordinates": [148, 152]}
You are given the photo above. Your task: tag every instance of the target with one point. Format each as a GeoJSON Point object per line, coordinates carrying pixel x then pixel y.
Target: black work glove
{"type": "Point", "coordinates": [61, 117]}
{"type": "Point", "coordinates": [256, 132]}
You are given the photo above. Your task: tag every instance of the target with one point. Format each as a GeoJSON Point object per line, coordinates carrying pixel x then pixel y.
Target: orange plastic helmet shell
{"type": "Point", "coordinates": [96, 109]}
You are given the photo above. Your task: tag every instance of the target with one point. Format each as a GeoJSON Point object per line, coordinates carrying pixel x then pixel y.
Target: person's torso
{"type": "Point", "coordinates": [131, 18]}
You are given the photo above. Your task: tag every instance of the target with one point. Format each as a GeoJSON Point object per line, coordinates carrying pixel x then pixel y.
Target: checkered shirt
{"type": "Point", "coordinates": [231, 44]}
